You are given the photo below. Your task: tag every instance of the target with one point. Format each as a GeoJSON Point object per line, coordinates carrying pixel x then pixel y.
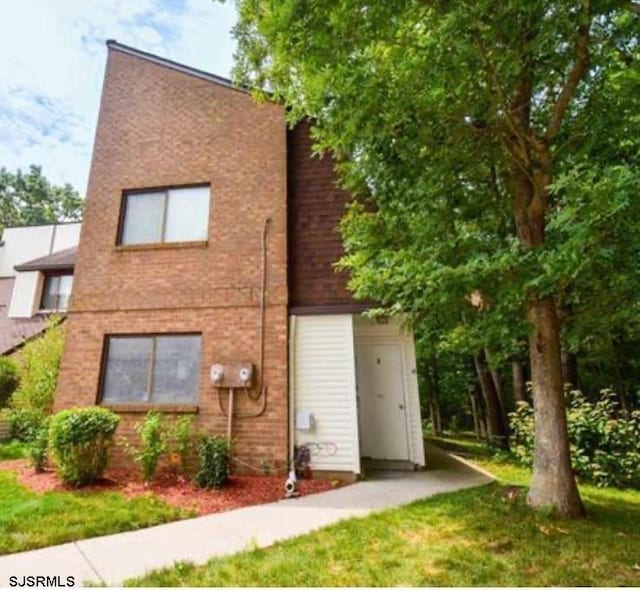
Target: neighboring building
{"type": "Point", "coordinates": [207, 248]}
{"type": "Point", "coordinates": [36, 276]}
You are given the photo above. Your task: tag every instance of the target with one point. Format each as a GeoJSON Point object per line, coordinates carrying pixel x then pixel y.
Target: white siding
{"type": "Point", "coordinates": [26, 291]}
{"type": "Point", "coordinates": [366, 330]}
{"type": "Point", "coordinates": [323, 383]}
{"type": "Point", "coordinates": [22, 245]}
{"type": "Point", "coordinates": [66, 236]}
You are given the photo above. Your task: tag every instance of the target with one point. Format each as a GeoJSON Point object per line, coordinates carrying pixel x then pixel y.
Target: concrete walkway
{"type": "Point", "coordinates": [115, 558]}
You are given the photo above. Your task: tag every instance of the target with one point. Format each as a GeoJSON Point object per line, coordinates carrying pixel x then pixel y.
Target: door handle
{"type": "Point", "coordinates": [401, 406]}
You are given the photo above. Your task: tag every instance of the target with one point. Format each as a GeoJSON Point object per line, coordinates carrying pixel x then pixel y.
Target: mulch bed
{"type": "Point", "coordinates": [174, 489]}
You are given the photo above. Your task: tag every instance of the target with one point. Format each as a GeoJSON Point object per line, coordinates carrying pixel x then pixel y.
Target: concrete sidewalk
{"type": "Point", "coordinates": [115, 558]}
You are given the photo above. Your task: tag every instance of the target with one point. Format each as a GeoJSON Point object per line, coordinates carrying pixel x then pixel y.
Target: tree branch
{"type": "Point", "coordinates": [576, 74]}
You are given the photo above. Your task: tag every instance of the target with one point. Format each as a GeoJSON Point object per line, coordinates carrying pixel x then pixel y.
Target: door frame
{"type": "Point", "coordinates": [368, 332]}
{"type": "Point", "coordinates": [397, 343]}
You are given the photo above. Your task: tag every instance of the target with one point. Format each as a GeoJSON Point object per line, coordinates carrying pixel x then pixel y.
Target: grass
{"type": "Point", "coordinates": [29, 520]}
{"type": "Point", "coordinates": [485, 536]}
{"type": "Point", "coordinates": [12, 450]}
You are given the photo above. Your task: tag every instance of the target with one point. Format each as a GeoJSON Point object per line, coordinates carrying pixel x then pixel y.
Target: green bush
{"type": "Point", "coordinates": [39, 368]}
{"type": "Point", "coordinates": [38, 446]}
{"type": "Point", "coordinates": [25, 423]}
{"type": "Point", "coordinates": [79, 440]}
{"type": "Point", "coordinates": [181, 443]}
{"type": "Point", "coordinates": [9, 379]}
{"type": "Point", "coordinates": [214, 462]}
{"type": "Point", "coordinates": [605, 441]}
{"type": "Point", "coordinates": [152, 444]}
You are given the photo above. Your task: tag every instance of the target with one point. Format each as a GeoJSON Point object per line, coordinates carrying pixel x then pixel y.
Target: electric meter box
{"type": "Point", "coordinates": [233, 374]}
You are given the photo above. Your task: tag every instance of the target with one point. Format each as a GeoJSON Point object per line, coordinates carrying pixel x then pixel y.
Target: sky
{"type": "Point", "coordinates": [52, 59]}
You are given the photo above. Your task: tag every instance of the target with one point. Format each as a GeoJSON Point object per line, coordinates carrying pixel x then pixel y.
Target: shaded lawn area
{"type": "Point", "coordinates": [29, 520]}
{"type": "Point", "coordinates": [485, 536]}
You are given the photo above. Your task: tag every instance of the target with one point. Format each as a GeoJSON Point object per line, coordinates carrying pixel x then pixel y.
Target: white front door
{"type": "Point", "coordinates": [381, 402]}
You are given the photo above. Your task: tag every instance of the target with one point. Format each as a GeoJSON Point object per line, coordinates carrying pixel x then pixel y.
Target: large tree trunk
{"type": "Point", "coordinates": [495, 417]}
{"type": "Point", "coordinates": [519, 380]}
{"type": "Point", "coordinates": [553, 484]}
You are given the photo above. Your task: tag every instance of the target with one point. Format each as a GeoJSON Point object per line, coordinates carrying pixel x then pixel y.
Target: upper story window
{"type": "Point", "coordinates": [178, 214]}
{"type": "Point", "coordinates": [56, 292]}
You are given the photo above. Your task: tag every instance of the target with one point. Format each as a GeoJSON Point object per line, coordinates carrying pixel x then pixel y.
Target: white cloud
{"type": "Point", "coordinates": [52, 57]}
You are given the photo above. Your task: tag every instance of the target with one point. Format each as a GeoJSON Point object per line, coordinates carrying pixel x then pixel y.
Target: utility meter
{"type": "Point", "coordinates": [217, 373]}
{"type": "Point", "coordinates": [245, 374]}
{"type": "Point", "coordinates": [232, 374]}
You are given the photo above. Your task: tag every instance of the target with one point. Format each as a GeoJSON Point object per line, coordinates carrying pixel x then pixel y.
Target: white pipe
{"type": "Point", "coordinates": [292, 390]}
{"type": "Point", "coordinates": [230, 416]}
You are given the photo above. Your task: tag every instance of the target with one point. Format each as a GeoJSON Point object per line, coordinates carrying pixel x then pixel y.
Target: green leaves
{"type": "Point", "coordinates": [436, 112]}
{"type": "Point", "coordinates": [29, 198]}
{"type": "Point", "coordinates": [79, 439]}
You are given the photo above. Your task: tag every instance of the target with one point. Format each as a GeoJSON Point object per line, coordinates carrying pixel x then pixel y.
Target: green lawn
{"type": "Point", "coordinates": [478, 537]}
{"type": "Point", "coordinates": [29, 520]}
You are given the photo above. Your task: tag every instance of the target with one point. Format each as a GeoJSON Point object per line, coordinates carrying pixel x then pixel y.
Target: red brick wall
{"type": "Point", "coordinates": [316, 205]}
{"type": "Point", "coordinates": [160, 127]}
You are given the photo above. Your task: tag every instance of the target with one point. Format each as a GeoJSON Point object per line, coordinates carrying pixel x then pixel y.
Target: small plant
{"type": "Point", "coordinates": [9, 379]}
{"type": "Point", "coordinates": [181, 443]}
{"type": "Point", "coordinates": [25, 423]}
{"type": "Point", "coordinates": [152, 444]}
{"type": "Point", "coordinates": [79, 440]}
{"type": "Point", "coordinates": [39, 368]}
{"type": "Point", "coordinates": [214, 462]}
{"type": "Point", "coordinates": [37, 447]}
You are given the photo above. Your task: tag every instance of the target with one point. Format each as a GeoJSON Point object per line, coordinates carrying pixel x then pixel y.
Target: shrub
{"type": "Point", "coordinates": [37, 447]}
{"type": "Point", "coordinates": [25, 423]}
{"type": "Point", "coordinates": [152, 445]}
{"type": "Point", "coordinates": [39, 367]}
{"type": "Point", "coordinates": [9, 379]}
{"type": "Point", "coordinates": [214, 461]}
{"type": "Point", "coordinates": [181, 443]}
{"type": "Point", "coordinates": [79, 439]}
{"type": "Point", "coordinates": [605, 441]}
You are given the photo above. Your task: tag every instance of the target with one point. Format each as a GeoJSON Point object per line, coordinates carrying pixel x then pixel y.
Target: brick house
{"type": "Point", "coordinates": [204, 280]}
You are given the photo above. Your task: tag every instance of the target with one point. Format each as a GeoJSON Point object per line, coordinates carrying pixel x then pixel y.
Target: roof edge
{"type": "Point", "coordinates": [51, 262]}
{"type": "Point", "coordinates": [178, 67]}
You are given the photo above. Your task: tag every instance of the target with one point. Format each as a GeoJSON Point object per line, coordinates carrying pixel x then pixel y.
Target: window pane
{"type": "Point", "coordinates": [50, 293]}
{"type": "Point", "coordinates": [143, 218]}
{"type": "Point", "coordinates": [64, 291]}
{"type": "Point", "coordinates": [187, 214]}
{"type": "Point", "coordinates": [127, 370]}
{"type": "Point", "coordinates": [176, 370]}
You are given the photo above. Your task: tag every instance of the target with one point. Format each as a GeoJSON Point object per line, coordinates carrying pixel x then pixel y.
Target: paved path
{"type": "Point", "coordinates": [115, 558]}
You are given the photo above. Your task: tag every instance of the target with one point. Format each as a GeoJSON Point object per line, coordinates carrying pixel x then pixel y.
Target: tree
{"type": "Point", "coordinates": [456, 120]}
{"type": "Point", "coordinates": [32, 199]}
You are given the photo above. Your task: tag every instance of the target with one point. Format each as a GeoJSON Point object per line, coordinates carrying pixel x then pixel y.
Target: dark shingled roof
{"type": "Point", "coordinates": [63, 260]}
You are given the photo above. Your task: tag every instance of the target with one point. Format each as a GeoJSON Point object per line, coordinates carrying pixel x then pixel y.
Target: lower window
{"type": "Point", "coordinates": [151, 369]}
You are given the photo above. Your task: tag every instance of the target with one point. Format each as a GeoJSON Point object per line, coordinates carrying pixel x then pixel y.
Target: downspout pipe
{"type": "Point", "coordinates": [292, 390]}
